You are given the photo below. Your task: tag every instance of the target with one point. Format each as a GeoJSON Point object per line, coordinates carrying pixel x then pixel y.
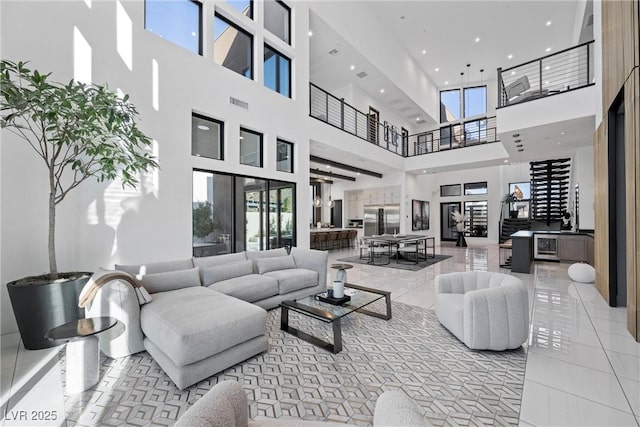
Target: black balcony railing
{"type": "Point", "coordinates": [449, 136]}
{"type": "Point", "coordinates": [556, 73]}
{"type": "Point", "coordinates": [335, 112]}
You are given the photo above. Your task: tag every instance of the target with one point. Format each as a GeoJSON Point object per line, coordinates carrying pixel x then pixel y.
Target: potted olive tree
{"type": "Point", "coordinates": [510, 199]}
{"type": "Point", "coordinates": [79, 131]}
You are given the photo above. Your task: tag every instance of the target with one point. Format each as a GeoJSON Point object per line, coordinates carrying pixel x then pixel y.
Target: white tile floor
{"type": "Point", "coordinates": [583, 367]}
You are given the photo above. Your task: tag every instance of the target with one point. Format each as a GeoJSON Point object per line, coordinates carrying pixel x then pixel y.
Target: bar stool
{"type": "Point", "coordinates": [353, 235]}
{"type": "Point", "coordinates": [313, 241]}
{"type": "Point", "coordinates": [343, 238]}
{"type": "Point", "coordinates": [322, 240]}
{"type": "Point", "coordinates": [332, 239]}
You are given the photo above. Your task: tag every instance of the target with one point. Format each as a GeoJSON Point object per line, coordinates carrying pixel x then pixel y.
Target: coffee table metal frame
{"type": "Point", "coordinates": [332, 317]}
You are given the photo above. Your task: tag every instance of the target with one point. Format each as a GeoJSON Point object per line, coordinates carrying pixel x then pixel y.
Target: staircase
{"type": "Point", "coordinates": [510, 226]}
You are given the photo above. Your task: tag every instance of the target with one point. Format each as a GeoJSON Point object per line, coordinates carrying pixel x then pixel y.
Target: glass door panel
{"type": "Point", "coordinates": [448, 230]}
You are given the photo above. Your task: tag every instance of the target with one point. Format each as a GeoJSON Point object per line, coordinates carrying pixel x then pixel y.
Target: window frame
{"type": "Point", "coordinates": [200, 26]}
{"type": "Point", "coordinates": [243, 31]}
{"type": "Point", "coordinates": [237, 218]}
{"type": "Point", "coordinates": [486, 188]}
{"type": "Point", "coordinates": [291, 162]}
{"type": "Point", "coordinates": [468, 218]}
{"type": "Point", "coordinates": [261, 147]}
{"type": "Point", "coordinates": [220, 123]}
{"type": "Point", "coordinates": [452, 186]}
{"type": "Point", "coordinates": [288, 9]}
{"type": "Point", "coordinates": [464, 102]}
{"type": "Point", "coordinates": [278, 54]}
{"type": "Point", "coordinates": [251, 9]}
{"type": "Point", "coordinates": [459, 90]}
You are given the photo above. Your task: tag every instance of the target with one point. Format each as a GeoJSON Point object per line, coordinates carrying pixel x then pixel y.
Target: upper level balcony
{"type": "Point", "coordinates": [557, 88]}
{"type": "Point", "coordinates": [396, 139]}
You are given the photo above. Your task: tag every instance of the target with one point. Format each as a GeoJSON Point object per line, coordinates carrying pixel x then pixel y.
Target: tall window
{"type": "Point", "coordinates": [277, 19]}
{"type": "Point", "coordinates": [244, 6]}
{"type": "Point", "coordinates": [250, 148]}
{"type": "Point", "coordinates": [284, 156]}
{"type": "Point", "coordinates": [476, 214]}
{"type": "Point", "coordinates": [207, 137]}
{"type": "Point", "coordinates": [212, 213]}
{"type": "Point", "coordinates": [232, 47]}
{"type": "Point", "coordinates": [281, 214]}
{"type": "Point", "coordinates": [175, 20]}
{"type": "Point", "coordinates": [450, 105]}
{"type": "Point", "coordinates": [277, 71]}
{"type": "Point", "coordinates": [475, 101]}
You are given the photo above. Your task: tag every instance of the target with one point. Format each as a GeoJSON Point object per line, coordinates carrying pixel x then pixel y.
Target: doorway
{"type": "Point", "coordinates": [617, 205]}
{"type": "Point", "coordinates": [448, 232]}
{"type": "Point", "coordinates": [374, 120]}
{"type": "Point", "coordinates": [336, 214]}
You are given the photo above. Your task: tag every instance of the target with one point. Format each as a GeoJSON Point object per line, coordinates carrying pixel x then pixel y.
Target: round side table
{"type": "Point", "coordinates": [341, 274]}
{"type": "Point", "coordinates": [83, 357]}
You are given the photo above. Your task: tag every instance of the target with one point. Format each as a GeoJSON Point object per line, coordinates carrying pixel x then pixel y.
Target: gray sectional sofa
{"type": "Point", "coordinates": [206, 314]}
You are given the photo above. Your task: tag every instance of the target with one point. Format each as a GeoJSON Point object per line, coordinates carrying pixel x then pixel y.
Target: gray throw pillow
{"type": "Point", "coordinates": [171, 280]}
{"type": "Point", "coordinates": [266, 265]}
{"type": "Point", "coordinates": [217, 274]}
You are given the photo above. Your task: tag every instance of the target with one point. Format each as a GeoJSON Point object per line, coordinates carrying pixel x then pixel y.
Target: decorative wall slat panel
{"type": "Point", "coordinates": [632, 151]}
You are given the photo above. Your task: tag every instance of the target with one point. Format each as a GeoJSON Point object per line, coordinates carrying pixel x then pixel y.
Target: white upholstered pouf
{"type": "Point", "coordinates": [582, 272]}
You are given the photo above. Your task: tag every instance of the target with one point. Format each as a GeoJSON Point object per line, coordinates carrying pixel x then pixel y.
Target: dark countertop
{"type": "Point", "coordinates": [528, 234]}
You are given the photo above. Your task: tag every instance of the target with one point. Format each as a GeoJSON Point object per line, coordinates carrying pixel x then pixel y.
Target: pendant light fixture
{"type": "Point", "coordinates": [317, 201]}
{"type": "Point", "coordinates": [330, 202]}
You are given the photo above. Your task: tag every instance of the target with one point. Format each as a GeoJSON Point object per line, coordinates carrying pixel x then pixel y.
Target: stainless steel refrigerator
{"type": "Point", "coordinates": [381, 219]}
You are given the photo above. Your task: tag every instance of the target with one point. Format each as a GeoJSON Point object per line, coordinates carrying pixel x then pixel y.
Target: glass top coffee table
{"type": "Point", "coordinates": [329, 313]}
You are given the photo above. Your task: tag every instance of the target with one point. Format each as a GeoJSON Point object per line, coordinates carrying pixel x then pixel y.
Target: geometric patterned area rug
{"type": "Point", "coordinates": [401, 266]}
{"type": "Point", "coordinates": [411, 352]}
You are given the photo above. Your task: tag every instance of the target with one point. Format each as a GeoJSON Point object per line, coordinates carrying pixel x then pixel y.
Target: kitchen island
{"type": "Point", "coordinates": [546, 245]}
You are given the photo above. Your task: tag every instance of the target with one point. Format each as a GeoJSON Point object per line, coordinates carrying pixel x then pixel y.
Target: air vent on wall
{"type": "Point", "coordinates": [362, 74]}
{"type": "Point", "coordinates": [239, 103]}
{"type": "Point", "coordinates": [334, 52]}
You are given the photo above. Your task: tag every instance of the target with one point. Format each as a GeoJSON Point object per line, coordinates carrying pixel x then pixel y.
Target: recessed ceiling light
{"type": "Point", "coordinates": [242, 137]}
{"type": "Point", "coordinates": [477, 39]}
{"type": "Point", "coordinates": [546, 82]}
{"type": "Point", "coordinates": [358, 173]}
{"type": "Point", "coordinates": [510, 56]}
{"type": "Point", "coordinates": [328, 166]}
{"type": "Point", "coordinates": [506, 161]}
{"type": "Point", "coordinates": [548, 23]}
{"type": "Point", "coordinates": [353, 67]}
{"type": "Point", "coordinates": [417, 119]}
{"type": "Point", "coordinates": [381, 90]}
{"type": "Point", "coordinates": [203, 127]}
{"type": "Point", "coordinates": [424, 52]}
{"type": "Point", "coordinates": [548, 49]}
{"type": "Point", "coordinates": [193, 33]}
{"type": "Point", "coordinates": [310, 33]}
{"type": "Point", "coordinates": [559, 143]}
{"type": "Point", "coordinates": [424, 171]}
{"type": "Point", "coordinates": [547, 67]}
{"type": "Point", "coordinates": [563, 133]}
{"type": "Point", "coordinates": [446, 82]}
{"type": "Point", "coordinates": [437, 69]}
{"type": "Point", "coordinates": [513, 73]}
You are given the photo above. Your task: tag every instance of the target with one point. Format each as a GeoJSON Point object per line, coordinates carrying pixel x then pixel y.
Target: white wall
{"type": "Point", "coordinates": [100, 224]}
{"type": "Point", "coordinates": [381, 49]}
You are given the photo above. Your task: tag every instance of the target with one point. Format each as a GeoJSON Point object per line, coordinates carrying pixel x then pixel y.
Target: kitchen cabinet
{"type": "Point", "coordinates": [572, 248]}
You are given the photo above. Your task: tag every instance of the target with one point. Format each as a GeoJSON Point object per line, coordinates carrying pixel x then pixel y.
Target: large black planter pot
{"type": "Point", "coordinates": [40, 307]}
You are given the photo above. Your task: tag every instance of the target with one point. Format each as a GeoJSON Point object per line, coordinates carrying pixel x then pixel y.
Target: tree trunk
{"type": "Point", "coordinates": [53, 267]}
